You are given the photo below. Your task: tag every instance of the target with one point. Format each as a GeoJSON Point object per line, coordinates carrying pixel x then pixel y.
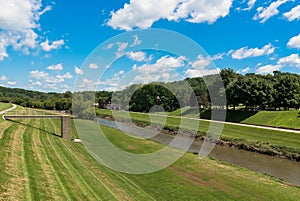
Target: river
{"type": "Point", "coordinates": [274, 166]}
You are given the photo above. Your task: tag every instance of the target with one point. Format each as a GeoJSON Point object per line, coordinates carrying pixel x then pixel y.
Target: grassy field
{"type": "Point", "coordinates": [4, 106]}
{"type": "Point", "coordinates": [283, 119]}
{"type": "Point", "coordinates": [262, 140]}
{"type": "Point", "coordinates": [37, 165]}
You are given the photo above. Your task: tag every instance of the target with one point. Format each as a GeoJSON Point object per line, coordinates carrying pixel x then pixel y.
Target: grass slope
{"type": "Point", "coordinates": [37, 165]}
{"type": "Point", "coordinates": [4, 106]}
{"type": "Point", "coordinates": [283, 119]}
{"type": "Point", "coordinates": [262, 140]}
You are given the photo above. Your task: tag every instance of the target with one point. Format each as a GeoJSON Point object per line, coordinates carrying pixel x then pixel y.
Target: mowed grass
{"type": "Point", "coordinates": [36, 164]}
{"type": "Point", "coordinates": [285, 119]}
{"type": "Point", "coordinates": [277, 141]}
{"type": "Point", "coordinates": [282, 119]}
{"type": "Point", "coordinates": [4, 106]}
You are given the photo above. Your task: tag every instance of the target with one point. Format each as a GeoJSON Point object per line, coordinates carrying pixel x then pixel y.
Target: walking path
{"type": "Point", "coordinates": [9, 109]}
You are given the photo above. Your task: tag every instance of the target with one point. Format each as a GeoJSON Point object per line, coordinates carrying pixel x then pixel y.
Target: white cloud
{"type": "Point", "coordinates": [292, 60]}
{"type": "Point", "coordinates": [244, 70]}
{"type": "Point", "coordinates": [54, 45]}
{"type": "Point", "coordinates": [252, 52]}
{"type": "Point", "coordinates": [250, 4]}
{"type": "Point", "coordinates": [55, 67]}
{"type": "Point", "coordinates": [294, 42]}
{"type": "Point", "coordinates": [263, 14]}
{"type": "Point", "coordinates": [136, 41]}
{"type": "Point", "coordinates": [38, 74]}
{"type": "Point", "coordinates": [201, 72]}
{"type": "Point", "coordinates": [268, 68]}
{"type": "Point", "coordinates": [121, 72]}
{"type": "Point", "coordinates": [164, 64]}
{"type": "Point", "coordinates": [37, 83]}
{"type": "Point", "coordinates": [18, 22]}
{"type": "Point", "coordinates": [11, 83]}
{"type": "Point", "coordinates": [65, 76]}
{"type": "Point", "coordinates": [293, 14]}
{"type": "Point", "coordinates": [93, 66]}
{"type": "Point", "coordinates": [3, 78]}
{"type": "Point", "coordinates": [143, 13]}
{"type": "Point", "coordinates": [137, 56]}
{"type": "Point", "coordinates": [201, 62]}
{"type": "Point", "coordinates": [78, 71]}
{"type": "Point", "coordinates": [161, 70]}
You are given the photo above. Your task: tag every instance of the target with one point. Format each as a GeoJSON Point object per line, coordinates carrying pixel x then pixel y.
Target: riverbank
{"type": "Point", "coordinates": [264, 141]}
{"type": "Point", "coordinates": [260, 163]}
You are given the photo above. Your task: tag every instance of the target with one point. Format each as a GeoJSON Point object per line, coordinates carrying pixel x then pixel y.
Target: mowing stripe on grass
{"type": "Point", "coordinates": [72, 171]}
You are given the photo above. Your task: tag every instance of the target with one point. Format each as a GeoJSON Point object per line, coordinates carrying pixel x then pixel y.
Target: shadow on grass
{"type": "Point", "coordinates": [231, 116]}
{"type": "Point", "coordinates": [40, 129]}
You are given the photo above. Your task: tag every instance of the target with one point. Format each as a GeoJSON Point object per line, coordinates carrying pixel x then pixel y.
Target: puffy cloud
{"type": "Point", "coordinates": [78, 71]}
{"type": "Point", "coordinates": [294, 42]}
{"type": "Point", "coordinates": [54, 45]}
{"type": "Point", "coordinates": [252, 52]}
{"type": "Point", "coordinates": [163, 69]}
{"type": "Point", "coordinates": [268, 68]}
{"type": "Point", "coordinates": [293, 14]}
{"type": "Point", "coordinates": [250, 4]}
{"type": "Point", "coordinates": [3, 78]}
{"type": "Point", "coordinates": [93, 66]}
{"type": "Point", "coordinates": [143, 13]}
{"type": "Point", "coordinates": [136, 41]}
{"type": "Point", "coordinates": [38, 74]}
{"type": "Point", "coordinates": [244, 70]}
{"type": "Point", "coordinates": [11, 83]}
{"type": "Point", "coordinates": [65, 76]}
{"type": "Point", "coordinates": [201, 72]}
{"type": "Point", "coordinates": [18, 21]}
{"type": "Point", "coordinates": [292, 60]}
{"type": "Point", "coordinates": [201, 62]}
{"type": "Point", "coordinates": [137, 56]}
{"type": "Point", "coordinates": [263, 14]}
{"type": "Point", "coordinates": [55, 67]}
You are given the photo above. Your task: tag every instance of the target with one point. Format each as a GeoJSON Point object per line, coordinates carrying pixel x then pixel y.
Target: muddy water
{"type": "Point", "coordinates": [273, 166]}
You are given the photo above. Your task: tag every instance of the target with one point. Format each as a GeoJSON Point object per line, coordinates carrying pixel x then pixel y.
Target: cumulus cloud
{"type": "Point", "coordinates": [93, 66]}
{"type": "Point", "coordinates": [250, 4]}
{"type": "Point", "coordinates": [36, 74]}
{"type": "Point", "coordinates": [65, 76]}
{"type": "Point", "coordinates": [292, 60]}
{"type": "Point", "coordinates": [136, 41]}
{"type": "Point", "coordinates": [143, 13]}
{"type": "Point", "coordinates": [55, 67]}
{"type": "Point", "coordinates": [294, 42]}
{"type": "Point", "coordinates": [54, 45]}
{"type": "Point", "coordinates": [18, 22]}
{"type": "Point", "coordinates": [3, 78]}
{"type": "Point", "coordinates": [244, 52]}
{"type": "Point", "coordinates": [137, 56]}
{"type": "Point", "coordinates": [293, 14]}
{"type": "Point", "coordinates": [163, 69]}
{"type": "Point", "coordinates": [263, 14]}
{"type": "Point", "coordinates": [201, 72]}
{"type": "Point", "coordinates": [244, 70]}
{"type": "Point", "coordinates": [11, 83]}
{"type": "Point", "coordinates": [268, 68]}
{"type": "Point", "coordinates": [78, 71]}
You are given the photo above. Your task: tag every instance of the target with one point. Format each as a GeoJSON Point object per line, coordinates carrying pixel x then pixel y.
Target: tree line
{"type": "Point", "coordinates": [253, 91]}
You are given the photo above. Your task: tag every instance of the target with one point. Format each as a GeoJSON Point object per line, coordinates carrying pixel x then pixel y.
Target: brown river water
{"type": "Point", "coordinates": [274, 166]}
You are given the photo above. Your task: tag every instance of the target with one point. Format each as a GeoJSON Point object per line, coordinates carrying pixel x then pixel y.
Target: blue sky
{"type": "Point", "coordinates": [43, 43]}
